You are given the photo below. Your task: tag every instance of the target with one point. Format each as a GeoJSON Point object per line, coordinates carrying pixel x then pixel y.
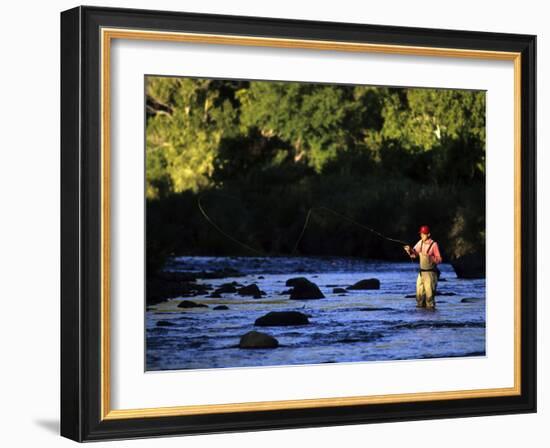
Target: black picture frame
{"type": "Point", "coordinates": [81, 211]}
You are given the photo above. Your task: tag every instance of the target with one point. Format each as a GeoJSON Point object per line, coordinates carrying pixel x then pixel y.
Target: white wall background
{"type": "Point", "coordinates": [29, 225]}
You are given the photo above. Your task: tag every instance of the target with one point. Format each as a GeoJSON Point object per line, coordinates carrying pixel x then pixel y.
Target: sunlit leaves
{"type": "Point", "coordinates": [191, 121]}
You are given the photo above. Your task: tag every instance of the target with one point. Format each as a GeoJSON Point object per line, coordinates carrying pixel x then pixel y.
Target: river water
{"type": "Point", "coordinates": [372, 325]}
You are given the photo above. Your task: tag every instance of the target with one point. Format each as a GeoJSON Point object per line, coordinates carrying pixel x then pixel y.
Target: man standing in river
{"type": "Point", "coordinates": [429, 256]}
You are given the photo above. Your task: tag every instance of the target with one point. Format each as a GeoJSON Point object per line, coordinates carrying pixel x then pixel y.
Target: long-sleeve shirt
{"type": "Point", "coordinates": [434, 254]}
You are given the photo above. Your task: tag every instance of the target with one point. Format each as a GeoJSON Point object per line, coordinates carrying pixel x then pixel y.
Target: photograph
{"type": "Point", "coordinates": [273, 223]}
{"type": "Point", "coordinates": [299, 223]}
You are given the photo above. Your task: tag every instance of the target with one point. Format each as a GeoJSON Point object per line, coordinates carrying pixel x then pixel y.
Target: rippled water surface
{"type": "Point", "coordinates": [359, 326]}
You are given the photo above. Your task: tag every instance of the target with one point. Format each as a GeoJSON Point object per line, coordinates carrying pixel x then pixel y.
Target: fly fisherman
{"type": "Point", "coordinates": [429, 256]}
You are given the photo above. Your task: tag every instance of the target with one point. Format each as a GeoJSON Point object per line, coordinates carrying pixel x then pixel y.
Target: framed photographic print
{"type": "Point", "coordinates": [272, 223]}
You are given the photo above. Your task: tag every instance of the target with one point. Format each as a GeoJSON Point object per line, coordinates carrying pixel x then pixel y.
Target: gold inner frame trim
{"type": "Point", "coordinates": [107, 35]}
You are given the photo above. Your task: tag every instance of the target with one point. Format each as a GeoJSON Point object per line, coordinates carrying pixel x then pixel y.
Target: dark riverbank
{"type": "Point", "coordinates": [259, 222]}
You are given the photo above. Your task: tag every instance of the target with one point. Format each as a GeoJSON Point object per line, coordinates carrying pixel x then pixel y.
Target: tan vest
{"type": "Point", "coordinates": [425, 263]}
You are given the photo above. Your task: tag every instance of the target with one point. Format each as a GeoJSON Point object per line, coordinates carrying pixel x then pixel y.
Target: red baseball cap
{"type": "Point", "coordinates": [424, 229]}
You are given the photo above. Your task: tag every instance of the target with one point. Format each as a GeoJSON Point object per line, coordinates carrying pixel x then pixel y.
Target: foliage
{"type": "Point", "coordinates": [390, 157]}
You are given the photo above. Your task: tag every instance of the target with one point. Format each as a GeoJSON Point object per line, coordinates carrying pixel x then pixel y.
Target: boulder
{"type": "Point", "coordinates": [470, 300]}
{"type": "Point", "coordinates": [191, 304]}
{"type": "Point", "coordinates": [368, 283]}
{"type": "Point", "coordinates": [250, 290]}
{"type": "Point", "coordinates": [221, 307]}
{"type": "Point", "coordinates": [338, 290]}
{"type": "Point", "coordinates": [282, 318]}
{"type": "Point", "coordinates": [170, 285]}
{"type": "Point", "coordinates": [470, 266]}
{"type": "Point", "coordinates": [303, 289]}
{"type": "Point", "coordinates": [255, 339]}
{"type": "Point", "coordinates": [296, 281]}
{"type": "Point", "coordinates": [225, 288]}
{"type": "Point", "coordinates": [165, 323]}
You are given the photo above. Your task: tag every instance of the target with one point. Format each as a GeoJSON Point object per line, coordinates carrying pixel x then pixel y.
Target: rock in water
{"type": "Point", "coordinates": [165, 323]}
{"type": "Point", "coordinates": [303, 289]}
{"type": "Point", "coordinates": [470, 266]}
{"type": "Point", "coordinates": [296, 281]}
{"type": "Point", "coordinates": [169, 285]}
{"type": "Point", "coordinates": [470, 300]}
{"type": "Point", "coordinates": [338, 290]}
{"type": "Point", "coordinates": [255, 339]}
{"type": "Point", "coordinates": [250, 290]}
{"type": "Point", "coordinates": [221, 307]}
{"type": "Point", "coordinates": [225, 288]}
{"type": "Point", "coordinates": [191, 304]}
{"type": "Point", "coordinates": [368, 283]}
{"type": "Point", "coordinates": [282, 318]}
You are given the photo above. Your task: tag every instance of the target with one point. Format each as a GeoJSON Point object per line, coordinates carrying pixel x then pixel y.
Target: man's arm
{"type": "Point", "coordinates": [436, 255]}
{"type": "Point", "coordinates": [416, 249]}
{"type": "Point", "coordinates": [413, 251]}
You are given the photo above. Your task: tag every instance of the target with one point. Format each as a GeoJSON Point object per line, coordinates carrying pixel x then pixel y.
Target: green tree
{"type": "Point", "coordinates": [187, 118]}
{"type": "Point", "coordinates": [313, 118]}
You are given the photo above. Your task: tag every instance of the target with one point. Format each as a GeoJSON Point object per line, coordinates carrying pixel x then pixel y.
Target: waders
{"type": "Point", "coordinates": [426, 283]}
